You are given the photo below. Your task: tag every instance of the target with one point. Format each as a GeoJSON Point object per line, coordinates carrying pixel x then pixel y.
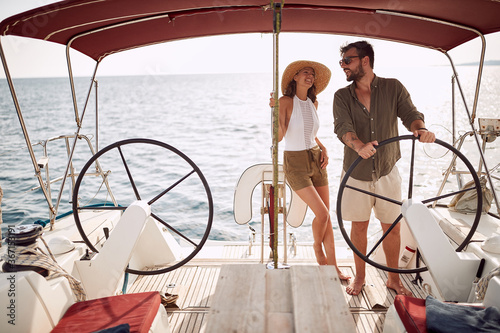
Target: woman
{"type": "Point", "coordinates": [305, 158]}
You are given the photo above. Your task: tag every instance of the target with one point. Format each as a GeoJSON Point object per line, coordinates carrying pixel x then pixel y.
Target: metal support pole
{"type": "Point", "coordinates": [25, 131]}
{"type": "Point", "coordinates": [277, 7]}
{"type": "Point", "coordinates": [77, 119]}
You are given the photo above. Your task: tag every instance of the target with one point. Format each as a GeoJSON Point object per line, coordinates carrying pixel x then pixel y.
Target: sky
{"type": "Point", "coordinates": [249, 53]}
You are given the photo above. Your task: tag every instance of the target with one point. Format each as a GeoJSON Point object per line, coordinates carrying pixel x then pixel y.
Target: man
{"type": "Point", "coordinates": [365, 113]}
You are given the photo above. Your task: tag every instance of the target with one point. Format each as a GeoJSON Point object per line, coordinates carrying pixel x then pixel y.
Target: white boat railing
{"type": "Point", "coordinates": [43, 163]}
{"type": "Point", "coordinates": [488, 134]}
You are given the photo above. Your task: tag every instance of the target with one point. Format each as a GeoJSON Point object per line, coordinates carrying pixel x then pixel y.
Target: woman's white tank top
{"type": "Point", "coordinates": [303, 126]}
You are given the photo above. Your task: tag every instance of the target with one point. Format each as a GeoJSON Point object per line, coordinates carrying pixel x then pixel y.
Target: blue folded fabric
{"type": "Point", "coordinates": [123, 328]}
{"type": "Point", "coordinates": [454, 318]}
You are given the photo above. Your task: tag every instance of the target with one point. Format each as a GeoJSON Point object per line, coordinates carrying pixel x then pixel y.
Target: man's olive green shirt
{"type": "Point", "coordinates": [389, 100]}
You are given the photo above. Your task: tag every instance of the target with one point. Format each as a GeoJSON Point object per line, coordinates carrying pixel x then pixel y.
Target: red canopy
{"type": "Point", "coordinates": [101, 27]}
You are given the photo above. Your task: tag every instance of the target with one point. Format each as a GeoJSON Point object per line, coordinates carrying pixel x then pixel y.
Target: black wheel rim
{"type": "Point", "coordinates": [197, 244]}
{"type": "Point", "coordinates": [344, 185]}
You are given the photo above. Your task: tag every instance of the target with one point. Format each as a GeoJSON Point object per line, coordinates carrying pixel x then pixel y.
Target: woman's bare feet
{"type": "Point", "coordinates": [342, 276]}
{"type": "Point", "coordinates": [320, 255]}
{"type": "Point", "coordinates": [355, 287]}
{"type": "Point", "coordinates": [398, 287]}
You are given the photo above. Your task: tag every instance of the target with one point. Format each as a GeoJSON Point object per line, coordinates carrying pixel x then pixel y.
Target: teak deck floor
{"type": "Point", "coordinates": [196, 281]}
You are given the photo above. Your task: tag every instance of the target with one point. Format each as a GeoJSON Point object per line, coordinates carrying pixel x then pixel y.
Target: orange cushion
{"type": "Point", "coordinates": [137, 310]}
{"type": "Point", "coordinates": [411, 311]}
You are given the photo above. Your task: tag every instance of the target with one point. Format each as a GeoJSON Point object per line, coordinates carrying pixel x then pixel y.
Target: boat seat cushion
{"type": "Point", "coordinates": [136, 310]}
{"type": "Point", "coordinates": [411, 311]}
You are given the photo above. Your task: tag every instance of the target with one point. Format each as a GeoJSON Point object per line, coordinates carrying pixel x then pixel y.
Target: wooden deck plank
{"type": "Point", "coordinates": [360, 327]}
{"type": "Point", "coordinates": [163, 282]}
{"type": "Point", "coordinates": [193, 285]}
{"type": "Point", "coordinates": [185, 287]}
{"type": "Point", "coordinates": [376, 292]}
{"type": "Point", "coordinates": [149, 284]}
{"type": "Point", "coordinates": [201, 283]}
{"type": "Point", "coordinates": [380, 318]}
{"type": "Point", "coordinates": [314, 291]}
{"type": "Point", "coordinates": [249, 315]}
{"type": "Point", "coordinates": [213, 276]}
{"type": "Point", "coordinates": [194, 322]}
{"type": "Point", "coordinates": [370, 320]}
{"type": "Point", "coordinates": [173, 321]}
{"type": "Point", "coordinates": [278, 302]}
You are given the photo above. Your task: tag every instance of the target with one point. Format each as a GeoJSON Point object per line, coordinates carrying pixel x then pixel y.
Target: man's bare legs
{"type": "Point", "coordinates": [359, 231]}
{"type": "Point", "coordinates": [318, 199]}
{"type": "Point", "coordinates": [391, 245]}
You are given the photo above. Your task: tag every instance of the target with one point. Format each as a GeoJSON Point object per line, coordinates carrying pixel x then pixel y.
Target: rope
{"type": "Point", "coordinates": [482, 285]}
{"type": "Point", "coordinates": [33, 255]}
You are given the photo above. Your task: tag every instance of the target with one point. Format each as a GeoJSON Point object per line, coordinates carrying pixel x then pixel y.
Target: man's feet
{"type": "Point", "coordinates": [355, 286]}
{"type": "Point", "coordinates": [398, 287]}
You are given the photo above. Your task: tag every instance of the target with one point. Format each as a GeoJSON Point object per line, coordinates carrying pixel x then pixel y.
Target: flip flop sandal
{"type": "Point", "coordinates": [169, 299]}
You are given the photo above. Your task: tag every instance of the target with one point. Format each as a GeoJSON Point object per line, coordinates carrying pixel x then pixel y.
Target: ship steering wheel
{"type": "Point", "coordinates": [343, 186]}
{"type": "Point", "coordinates": [156, 171]}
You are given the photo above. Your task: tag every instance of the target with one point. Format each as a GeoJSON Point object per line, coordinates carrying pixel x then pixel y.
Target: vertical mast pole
{"type": "Point", "coordinates": [275, 118]}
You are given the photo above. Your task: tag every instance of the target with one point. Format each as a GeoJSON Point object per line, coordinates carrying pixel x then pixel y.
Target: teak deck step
{"type": "Point", "coordinates": [251, 298]}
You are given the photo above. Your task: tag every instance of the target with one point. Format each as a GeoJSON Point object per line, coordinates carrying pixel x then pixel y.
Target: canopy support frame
{"type": "Point", "coordinates": [52, 209]}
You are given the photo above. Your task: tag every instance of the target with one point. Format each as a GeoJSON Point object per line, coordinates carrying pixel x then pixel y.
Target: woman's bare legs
{"type": "Point", "coordinates": [318, 199]}
{"type": "Point", "coordinates": [321, 215]}
{"type": "Point", "coordinates": [328, 239]}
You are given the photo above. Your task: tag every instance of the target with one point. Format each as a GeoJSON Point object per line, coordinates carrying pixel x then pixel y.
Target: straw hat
{"type": "Point", "coordinates": [322, 72]}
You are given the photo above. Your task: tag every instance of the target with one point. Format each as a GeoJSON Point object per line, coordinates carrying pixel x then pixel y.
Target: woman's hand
{"type": "Point", "coordinates": [323, 158]}
{"type": "Point", "coordinates": [271, 100]}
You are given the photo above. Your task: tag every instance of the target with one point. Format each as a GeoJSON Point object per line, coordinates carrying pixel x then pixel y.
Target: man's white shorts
{"type": "Point", "coordinates": [357, 206]}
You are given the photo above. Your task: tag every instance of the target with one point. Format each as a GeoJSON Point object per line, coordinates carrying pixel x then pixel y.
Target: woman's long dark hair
{"type": "Point", "coordinates": [291, 91]}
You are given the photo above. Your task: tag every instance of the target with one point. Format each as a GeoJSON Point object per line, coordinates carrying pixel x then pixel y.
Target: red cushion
{"type": "Point", "coordinates": [411, 311]}
{"type": "Point", "coordinates": [137, 310]}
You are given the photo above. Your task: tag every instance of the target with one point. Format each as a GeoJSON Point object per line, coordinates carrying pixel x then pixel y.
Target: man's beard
{"type": "Point", "coordinates": [356, 76]}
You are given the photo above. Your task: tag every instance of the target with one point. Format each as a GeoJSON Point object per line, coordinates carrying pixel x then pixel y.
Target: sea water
{"type": "Point", "coordinates": [222, 122]}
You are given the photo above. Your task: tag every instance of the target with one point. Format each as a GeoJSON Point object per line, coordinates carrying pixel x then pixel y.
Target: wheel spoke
{"type": "Point", "coordinates": [412, 164]}
{"type": "Point", "coordinates": [385, 235]}
{"type": "Point", "coordinates": [448, 195]}
{"type": "Point", "coordinates": [103, 208]}
{"type": "Point", "coordinates": [375, 195]}
{"type": "Point", "coordinates": [171, 187]}
{"type": "Point", "coordinates": [129, 174]}
{"type": "Point", "coordinates": [156, 217]}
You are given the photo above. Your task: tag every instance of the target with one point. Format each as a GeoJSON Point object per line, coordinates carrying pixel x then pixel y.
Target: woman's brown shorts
{"type": "Point", "coordinates": [303, 168]}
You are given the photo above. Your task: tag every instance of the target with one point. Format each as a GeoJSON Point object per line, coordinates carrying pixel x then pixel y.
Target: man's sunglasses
{"type": "Point", "coordinates": [347, 60]}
